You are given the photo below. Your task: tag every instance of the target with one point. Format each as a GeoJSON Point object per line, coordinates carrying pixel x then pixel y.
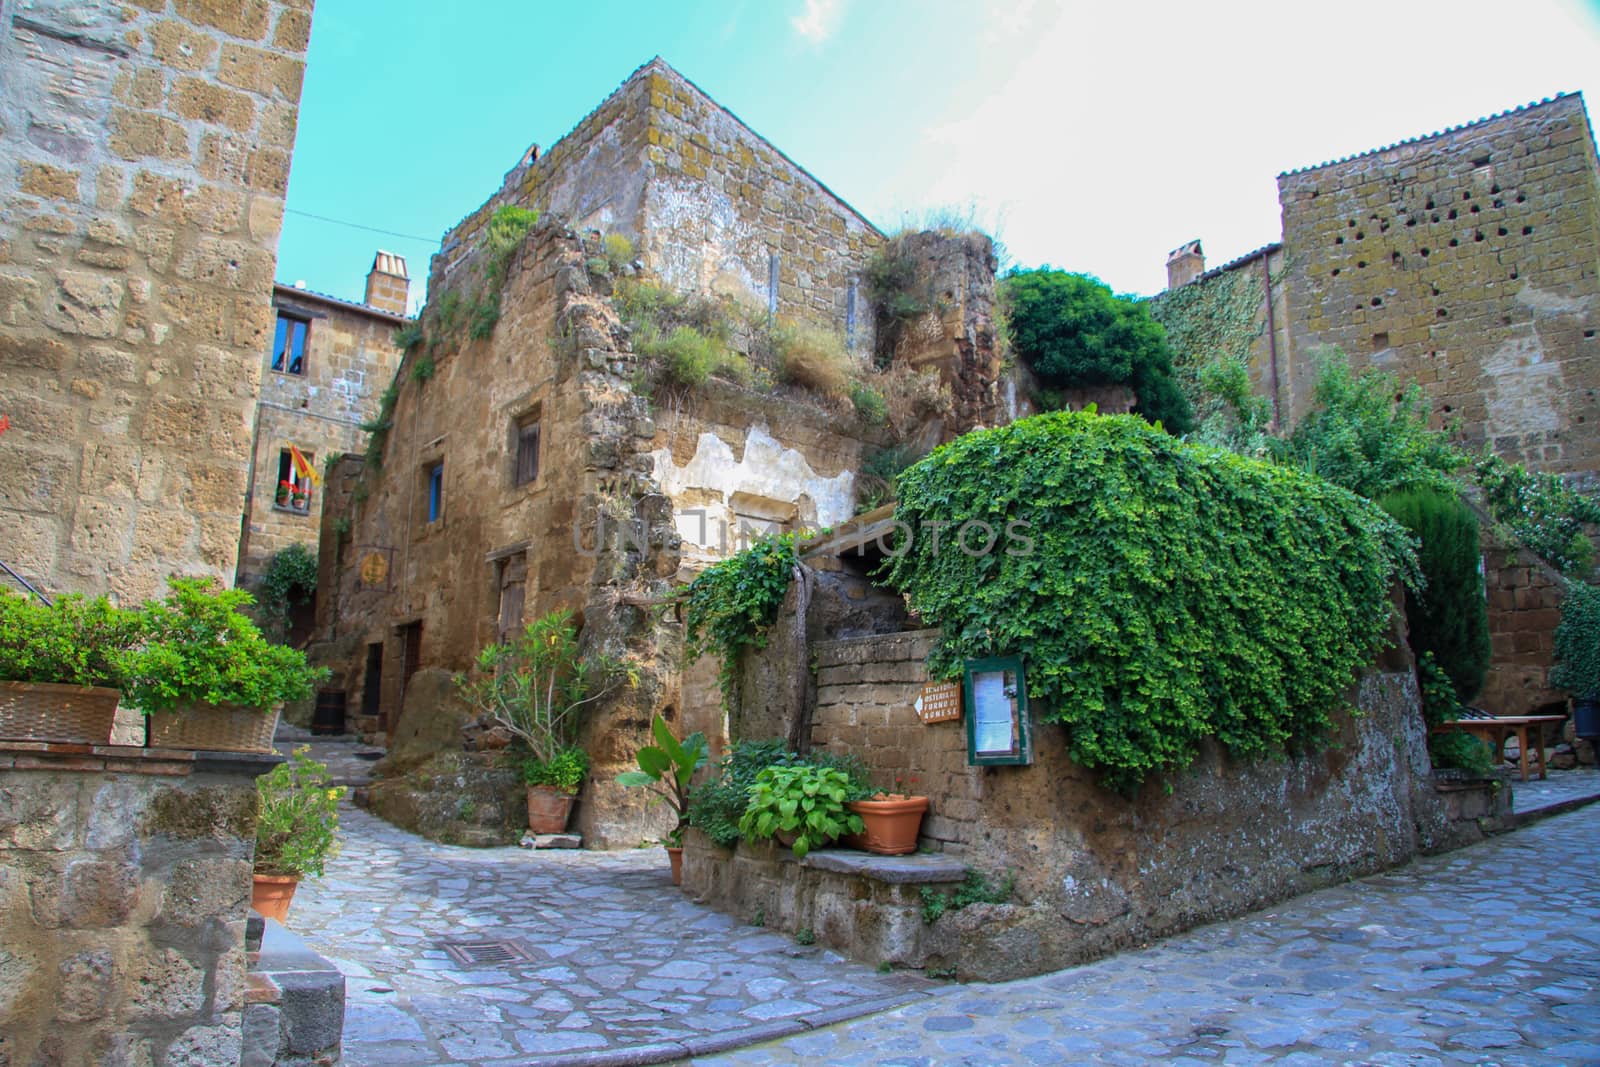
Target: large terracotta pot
{"type": "Point", "coordinates": [891, 823]}
{"type": "Point", "coordinates": [270, 894]}
{"type": "Point", "coordinates": [548, 809]}
{"type": "Point", "coordinates": [675, 857]}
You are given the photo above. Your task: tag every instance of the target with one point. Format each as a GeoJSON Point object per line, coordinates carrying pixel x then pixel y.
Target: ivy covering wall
{"type": "Point", "coordinates": [1210, 320]}
{"type": "Point", "coordinates": [1162, 593]}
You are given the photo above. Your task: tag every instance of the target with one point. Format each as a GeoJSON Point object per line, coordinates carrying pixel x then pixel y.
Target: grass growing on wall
{"type": "Point", "coordinates": [1161, 593]}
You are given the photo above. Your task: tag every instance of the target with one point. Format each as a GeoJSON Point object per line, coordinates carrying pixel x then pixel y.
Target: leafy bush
{"type": "Point", "coordinates": [805, 800]}
{"type": "Point", "coordinates": [199, 648]}
{"type": "Point", "coordinates": [974, 889]}
{"type": "Point", "coordinates": [563, 771]}
{"type": "Point", "coordinates": [717, 806]}
{"type": "Point", "coordinates": [897, 294]}
{"type": "Point", "coordinates": [502, 237]}
{"type": "Point", "coordinates": [730, 605]}
{"type": "Point", "coordinates": [1453, 749]}
{"type": "Point", "coordinates": [538, 685]}
{"type": "Point", "coordinates": [297, 823]}
{"type": "Point", "coordinates": [72, 641]}
{"type": "Point", "coordinates": [869, 404]}
{"type": "Point", "coordinates": [1448, 616]}
{"type": "Point", "coordinates": [409, 336]}
{"type": "Point", "coordinates": [1072, 331]}
{"type": "Point", "coordinates": [687, 356]}
{"type": "Point", "coordinates": [1162, 593]}
{"type": "Point", "coordinates": [666, 768]}
{"type": "Point", "coordinates": [1577, 651]}
{"type": "Point", "coordinates": [1541, 511]}
{"type": "Point", "coordinates": [485, 316]}
{"type": "Point", "coordinates": [1366, 433]}
{"type": "Point", "coordinates": [618, 253]}
{"type": "Point", "coordinates": [290, 579]}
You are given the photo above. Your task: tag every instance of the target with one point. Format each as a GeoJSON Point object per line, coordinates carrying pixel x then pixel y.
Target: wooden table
{"type": "Point", "coordinates": [1498, 729]}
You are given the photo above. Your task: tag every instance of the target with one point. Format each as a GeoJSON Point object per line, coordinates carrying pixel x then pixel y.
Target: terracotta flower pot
{"type": "Point", "coordinates": [891, 823]}
{"type": "Point", "coordinates": [548, 809]}
{"type": "Point", "coordinates": [270, 894]}
{"type": "Point", "coordinates": [675, 857]}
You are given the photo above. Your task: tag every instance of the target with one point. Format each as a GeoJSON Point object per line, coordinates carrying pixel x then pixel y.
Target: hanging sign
{"type": "Point", "coordinates": [375, 568]}
{"type": "Point", "coordinates": [939, 702]}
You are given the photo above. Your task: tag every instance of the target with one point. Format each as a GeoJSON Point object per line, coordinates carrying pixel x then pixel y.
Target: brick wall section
{"type": "Point", "coordinates": [124, 888]}
{"type": "Point", "coordinates": [1524, 610]}
{"type": "Point", "coordinates": [350, 360]}
{"type": "Point", "coordinates": [705, 199]}
{"type": "Point", "coordinates": [1469, 262]}
{"type": "Point", "coordinates": [145, 159]}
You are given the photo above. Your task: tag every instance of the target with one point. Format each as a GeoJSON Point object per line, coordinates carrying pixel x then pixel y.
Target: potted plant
{"type": "Point", "coordinates": [1577, 657]}
{"type": "Point", "coordinates": [61, 666]}
{"type": "Point", "coordinates": [537, 686]}
{"type": "Point", "coordinates": [206, 677]}
{"type": "Point", "coordinates": [803, 805]}
{"type": "Point", "coordinates": [666, 769]}
{"type": "Point", "coordinates": [553, 786]}
{"type": "Point", "coordinates": [285, 489]}
{"type": "Point", "coordinates": [297, 830]}
{"type": "Point", "coordinates": [891, 821]}
{"type": "Point", "coordinates": [300, 498]}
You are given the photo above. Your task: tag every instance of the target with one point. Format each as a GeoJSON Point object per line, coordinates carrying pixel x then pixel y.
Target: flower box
{"type": "Point", "coordinates": [47, 711]}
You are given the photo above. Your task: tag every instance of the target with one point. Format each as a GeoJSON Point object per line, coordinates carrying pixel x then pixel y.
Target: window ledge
{"type": "Point", "coordinates": [304, 513]}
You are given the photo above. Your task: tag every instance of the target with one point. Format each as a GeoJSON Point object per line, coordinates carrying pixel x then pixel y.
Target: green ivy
{"type": "Point", "coordinates": [1162, 593]}
{"type": "Point", "coordinates": [1539, 510]}
{"type": "Point", "coordinates": [1209, 321]}
{"type": "Point", "coordinates": [1577, 649]}
{"type": "Point", "coordinates": [289, 579]}
{"type": "Point", "coordinates": [730, 605]}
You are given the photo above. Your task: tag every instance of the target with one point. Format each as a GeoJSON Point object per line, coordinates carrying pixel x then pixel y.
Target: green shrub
{"type": "Point", "coordinates": [618, 253]}
{"type": "Point", "coordinates": [1162, 593]}
{"type": "Point", "coordinates": [687, 356]}
{"type": "Point", "coordinates": [485, 315]}
{"type": "Point", "coordinates": [814, 358]}
{"type": "Point", "coordinates": [72, 641]}
{"type": "Point", "coordinates": [667, 769]}
{"type": "Point", "coordinates": [1455, 749]}
{"type": "Point", "coordinates": [199, 648]}
{"type": "Point", "coordinates": [974, 889]}
{"type": "Point", "coordinates": [717, 806]}
{"type": "Point", "coordinates": [290, 579]}
{"type": "Point", "coordinates": [502, 237]}
{"type": "Point", "coordinates": [1448, 616]}
{"type": "Point", "coordinates": [408, 336]}
{"type": "Point", "coordinates": [1073, 332]}
{"type": "Point", "coordinates": [1541, 511]}
{"type": "Point", "coordinates": [805, 800]}
{"type": "Point", "coordinates": [564, 771]}
{"type": "Point", "coordinates": [897, 293]}
{"type": "Point", "coordinates": [729, 605]}
{"type": "Point", "coordinates": [1577, 651]}
{"type": "Point", "coordinates": [297, 822]}
{"type": "Point", "coordinates": [870, 405]}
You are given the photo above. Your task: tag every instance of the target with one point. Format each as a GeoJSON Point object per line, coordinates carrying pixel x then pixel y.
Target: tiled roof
{"type": "Point", "coordinates": [349, 305]}
{"type": "Point", "coordinates": [1232, 264]}
{"type": "Point", "coordinates": [1437, 133]}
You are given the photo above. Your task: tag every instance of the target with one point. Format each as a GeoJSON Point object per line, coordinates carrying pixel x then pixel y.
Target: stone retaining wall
{"type": "Point", "coordinates": [124, 888]}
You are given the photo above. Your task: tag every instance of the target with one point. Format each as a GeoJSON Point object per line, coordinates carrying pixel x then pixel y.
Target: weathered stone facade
{"type": "Point", "coordinates": [1468, 262]}
{"type": "Point", "coordinates": [146, 160]}
{"type": "Point", "coordinates": [349, 358]}
{"type": "Point", "coordinates": [124, 889]}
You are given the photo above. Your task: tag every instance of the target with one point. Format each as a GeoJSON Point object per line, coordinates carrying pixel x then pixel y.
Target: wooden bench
{"type": "Point", "coordinates": [1496, 729]}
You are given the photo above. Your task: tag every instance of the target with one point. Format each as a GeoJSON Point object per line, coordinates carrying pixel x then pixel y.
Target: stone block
{"type": "Point", "coordinates": [18, 970]}
{"type": "Point", "coordinates": [19, 295]}
{"type": "Point", "coordinates": [163, 983]}
{"type": "Point", "coordinates": [196, 98]}
{"type": "Point", "coordinates": [142, 134]}
{"type": "Point", "coordinates": [100, 531]}
{"type": "Point", "coordinates": [247, 20]}
{"type": "Point", "coordinates": [110, 469]}
{"type": "Point", "coordinates": [293, 31]}
{"type": "Point", "coordinates": [261, 1040]}
{"type": "Point", "coordinates": [268, 171]}
{"type": "Point", "coordinates": [96, 893]}
{"type": "Point", "coordinates": [265, 73]}
{"type": "Point", "coordinates": [49, 182]}
{"type": "Point", "coordinates": [179, 46]}
{"type": "Point", "coordinates": [32, 352]}
{"type": "Point", "coordinates": [39, 815]}
{"type": "Point", "coordinates": [199, 890]}
{"type": "Point", "coordinates": [88, 981]}
{"type": "Point", "coordinates": [86, 302]}
{"type": "Point", "coordinates": [207, 1045]}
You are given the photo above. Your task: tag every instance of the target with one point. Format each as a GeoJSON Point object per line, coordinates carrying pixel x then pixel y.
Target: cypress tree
{"type": "Point", "coordinates": [1450, 617]}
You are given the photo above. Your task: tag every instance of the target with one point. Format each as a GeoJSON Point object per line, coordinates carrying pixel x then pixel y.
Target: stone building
{"type": "Point", "coordinates": [145, 160]}
{"type": "Point", "coordinates": [328, 362]}
{"type": "Point", "coordinates": [1467, 261]}
{"type": "Point", "coordinates": [521, 469]}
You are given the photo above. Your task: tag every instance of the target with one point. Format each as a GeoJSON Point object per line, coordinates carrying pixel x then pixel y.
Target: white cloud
{"type": "Point", "coordinates": [818, 21]}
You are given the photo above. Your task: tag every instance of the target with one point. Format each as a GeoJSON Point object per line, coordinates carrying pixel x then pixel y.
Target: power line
{"type": "Point", "coordinates": [359, 226]}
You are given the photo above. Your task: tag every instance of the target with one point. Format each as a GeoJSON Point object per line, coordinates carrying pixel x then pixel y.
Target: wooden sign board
{"type": "Point", "coordinates": [939, 702]}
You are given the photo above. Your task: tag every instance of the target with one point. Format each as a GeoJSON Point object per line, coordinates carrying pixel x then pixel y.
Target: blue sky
{"type": "Point", "coordinates": [1094, 137]}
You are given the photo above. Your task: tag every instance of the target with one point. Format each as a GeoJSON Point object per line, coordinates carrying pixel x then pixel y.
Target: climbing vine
{"type": "Point", "coordinates": [1162, 593]}
{"type": "Point", "coordinates": [731, 605]}
{"type": "Point", "coordinates": [289, 579]}
{"type": "Point", "coordinates": [1541, 511]}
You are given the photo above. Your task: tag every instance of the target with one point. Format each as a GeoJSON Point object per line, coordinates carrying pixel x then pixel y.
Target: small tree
{"type": "Point", "coordinates": [1449, 617]}
{"type": "Point", "coordinates": [538, 685]}
{"type": "Point", "coordinates": [1072, 331]}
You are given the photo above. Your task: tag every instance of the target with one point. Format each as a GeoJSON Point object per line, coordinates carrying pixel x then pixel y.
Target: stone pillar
{"type": "Point", "coordinates": [124, 890]}
{"type": "Point", "coordinates": [1185, 264]}
{"type": "Point", "coordinates": [388, 285]}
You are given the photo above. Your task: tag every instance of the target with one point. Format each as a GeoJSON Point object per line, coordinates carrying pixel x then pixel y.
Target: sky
{"type": "Point", "coordinates": [1090, 137]}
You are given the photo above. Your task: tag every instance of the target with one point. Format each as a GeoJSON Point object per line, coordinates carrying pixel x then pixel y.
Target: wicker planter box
{"type": "Point", "coordinates": [45, 711]}
{"type": "Point", "coordinates": [214, 728]}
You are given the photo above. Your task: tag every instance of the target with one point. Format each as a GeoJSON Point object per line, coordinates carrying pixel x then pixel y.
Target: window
{"type": "Point", "coordinates": [527, 450]}
{"type": "Point", "coordinates": [289, 344]}
{"type": "Point", "coordinates": [294, 489]}
{"type": "Point", "coordinates": [435, 476]}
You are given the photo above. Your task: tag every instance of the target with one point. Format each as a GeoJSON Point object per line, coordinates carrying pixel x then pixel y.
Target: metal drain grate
{"type": "Point", "coordinates": [488, 953]}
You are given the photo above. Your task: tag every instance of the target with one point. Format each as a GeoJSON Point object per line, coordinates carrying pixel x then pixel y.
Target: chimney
{"type": "Point", "coordinates": [1184, 265]}
{"type": "Point", "coordinates": [388, 286]}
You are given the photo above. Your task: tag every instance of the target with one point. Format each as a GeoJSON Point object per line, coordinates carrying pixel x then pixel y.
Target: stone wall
{"type": "Point", "coordinates": [1469, 262]}
{"type": "Point", "coordinates": [146, 157]}
{"type": "Point", "coordinates": [1096, 870]}
{"type": "Point", "coordinates": [350, 360]}
{"type": "Point", "coordinates": [710, 206]}
{"type": "Point", "coordinates": [124, 889]}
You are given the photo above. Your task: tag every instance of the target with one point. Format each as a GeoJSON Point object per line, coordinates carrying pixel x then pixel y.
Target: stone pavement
{"type": "Point", "coordinates": [1561, 788]}
{"type": "Point", "coordinates": [1486, 955]}
{"type": "Point", "coordinates": [620, 966]}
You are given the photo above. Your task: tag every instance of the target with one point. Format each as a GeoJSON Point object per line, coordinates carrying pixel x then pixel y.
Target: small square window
{"type": "Point", "coordinates": [527, 450]}
{"type": "Point", "coordinates": [435, 478]}
{"type": "Point", "coordinates": [289, 344]}
{"type": "Point", "coordinates": [294, 489]}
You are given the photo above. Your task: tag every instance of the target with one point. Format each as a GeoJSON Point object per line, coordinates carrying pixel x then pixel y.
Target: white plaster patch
{"type": "Point", "coordinates": [1549, 303]}
{"type": "Point", "coordinates": [1523, 392]}
{"type": "Point", "coordinates": [767, 469]}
